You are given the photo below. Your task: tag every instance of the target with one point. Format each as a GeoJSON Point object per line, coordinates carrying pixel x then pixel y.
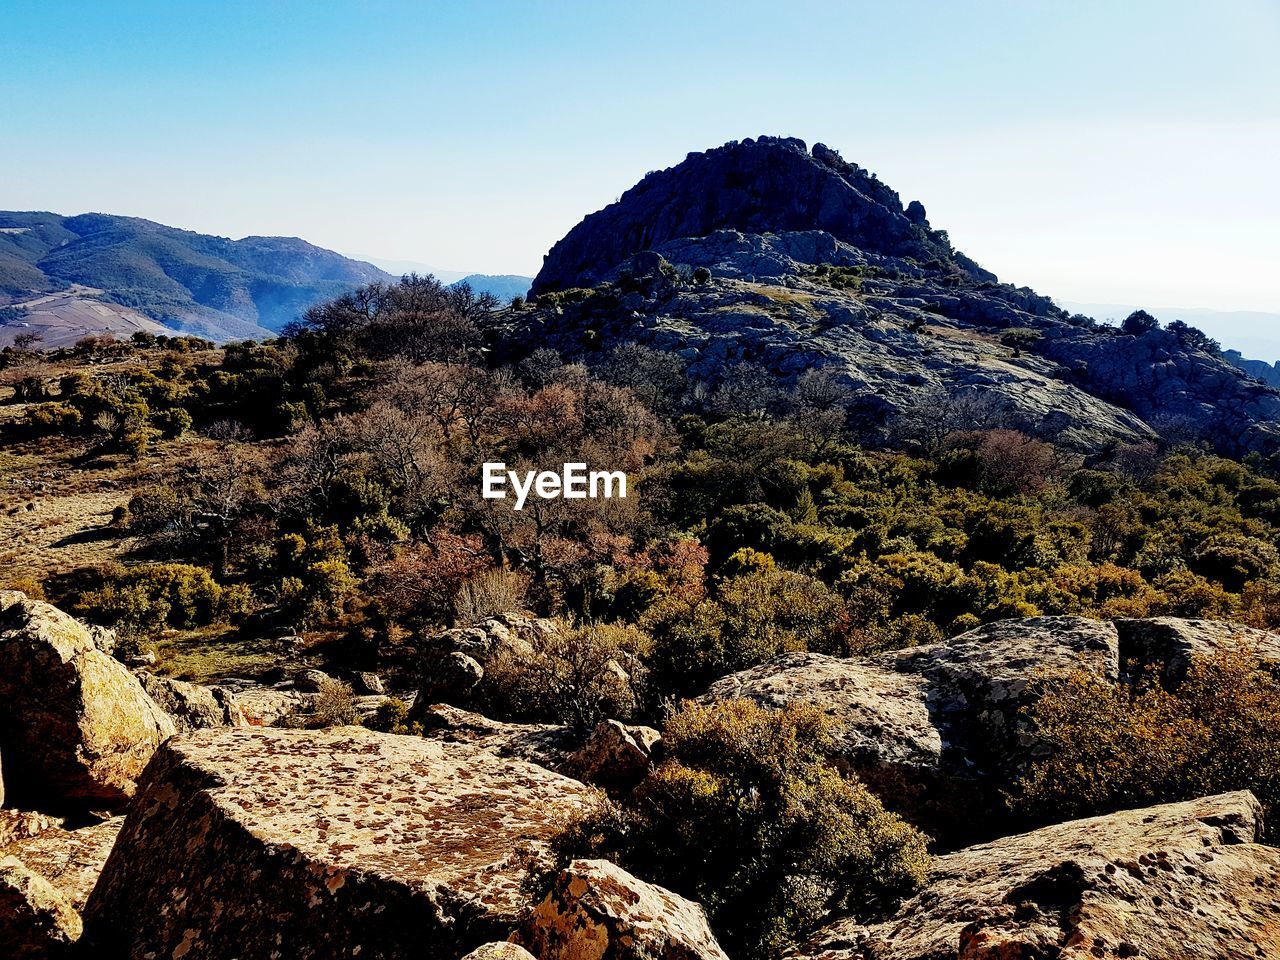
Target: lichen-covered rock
{"type": "Point", "coordinates": [936, 730]}
{"type": "Point", "coordinates": [548, 745]}
{"type": "Point", "coordinates": [1174, 644]}
{"type": "Point", "coordinates": [263, 705]}
{"type": "Point", "coordinates": [616, 756]}
{"type": "Point", "coordinates": [71, 860]}
{"type": "Point", "coordinates": [18, 825]}
{"type": "Point", "coordinates": [500, 951]}
{"type": "Point", "coordinates": [193, 707]}
{"type": "Point", "coordinates": [76, 727]}
{"type": "Point", "coordinates": [598, 911]}
{"type": "Point", "coordinates": [258, 844]}
{"type": "Point", "coordinates": [312, 681]}
{"type": "Point", "coordinates": [1183, 881]}
{"type": "Point", "coordinates": [451, 664]}
{"type": "Point", "coordinates": [36, 921]}
{"type": "Point", "coordinates": [363, 681]}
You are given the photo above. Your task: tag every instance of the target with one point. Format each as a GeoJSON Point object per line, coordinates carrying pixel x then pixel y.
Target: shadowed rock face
{"type": "Point", "coordinates": [265, 843]}
{"type": "Point", "coordinates": [1182, 881]}
{"type": "Point", "coordinates": [76, 728]}
{"type": "Point", "coordinates": [768, 185]}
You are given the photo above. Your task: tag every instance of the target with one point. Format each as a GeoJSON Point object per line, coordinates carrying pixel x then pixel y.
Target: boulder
{"type": "Point", "coordinates": [332, 843]}
{"type": "Point", "coordinates": [312, 681]}
{"type": "Point", "coordinates": [36, 921]}
{"type": "Point", "coordinates": [365, 682]}
{"type": "Point", "coordinates": [18, 825]}
{"type": "Point", "coordinates": [500, 951]}
{"type": "Point", "coordinates": [76, 727]}
{"type": "Point", "coordinates": [615, 756]}
{"type": "Point", "coordinates": [264, 705]}
{"type": "Point", "coordinates": [1182, 881]}
{"type": "Point", "coordinates": [71, 860]}
{"type": "Point", "coordinates": [193, 707]}
{"type": "Point", "coordinates": [452, 663]}
{"type": "Point", "coordinates": [936, 730]}
{"type": "Point", "coordinates": [547, 745]}
{"type": "Point", "coordinates": [450, 679]}
{"type": "Point", "coordinates": [598, 911]}
{"type": "Point", "coordinates": [1174, 643]}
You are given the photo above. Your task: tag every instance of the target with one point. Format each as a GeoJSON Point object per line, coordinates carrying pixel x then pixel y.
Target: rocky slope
{"type": "Point", "coordinates": [264, 843]}
{"type": "Point", "coordinates": [903, 318]}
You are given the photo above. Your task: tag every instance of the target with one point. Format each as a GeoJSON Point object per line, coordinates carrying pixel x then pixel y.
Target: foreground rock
{"type": "Point", "coordinates": [193, 707]}
{"type": "Point", "coordinates": [1183, 881]}
{"type": "Point", "coordinates": [36, 921]}
{"type": "Point", "coordinates": [311, 844]}
{"type": "Point", "coordinates": [71, 860]}
{"type": "Point", "coordinates": [76, 728]}
{"type": "Point", "coordinates": [46, 874]}
{"type": "Point", "coordinates": [597, 910]}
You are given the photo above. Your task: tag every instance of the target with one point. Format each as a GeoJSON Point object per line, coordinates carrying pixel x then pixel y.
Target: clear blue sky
{"type": "Point", "coordinates": [1120, 151]}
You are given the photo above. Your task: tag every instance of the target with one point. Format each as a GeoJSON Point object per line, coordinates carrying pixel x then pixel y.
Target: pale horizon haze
{"type": "Point", "coordinates": [1098, 152]}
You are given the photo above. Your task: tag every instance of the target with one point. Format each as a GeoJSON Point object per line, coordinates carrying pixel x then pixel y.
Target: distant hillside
{"type": "Point", "coordinates": [212, 286]}
{"type": "Point", "coordinates": [502, 286]}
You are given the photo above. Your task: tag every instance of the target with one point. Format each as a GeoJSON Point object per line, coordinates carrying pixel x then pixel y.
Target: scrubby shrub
{"type": "Point", "coordinates": [575, 676]}
{"type": "Point", "coordinates": [1113, 746]}
{"type": "Point", "coordinates": [745, 817]}
{"type": "Point", "coordinates": [155, 595]}
{"type": "Point", "coordinates": [334, 705]}
{"type": "Point", "coordinates": [489, 593]}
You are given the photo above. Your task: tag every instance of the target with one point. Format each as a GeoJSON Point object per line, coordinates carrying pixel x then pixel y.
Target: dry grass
{"type": "Point", "coordinates": [214, 653]}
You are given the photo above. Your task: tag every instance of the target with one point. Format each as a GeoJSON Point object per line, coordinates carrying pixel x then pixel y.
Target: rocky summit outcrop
{"type": "Point", "coordinates": [763, 251]}
{"type": "Point", "coordinates": [598, 911]}
{"type": "Point", "coordinates": [766, 185]}
{"type": "Point", "coordinates": [1183, 881]}
{"type": "Point", "coordinates": [76, 727]}
{"type": "Point", "coordinates": [259, 844]}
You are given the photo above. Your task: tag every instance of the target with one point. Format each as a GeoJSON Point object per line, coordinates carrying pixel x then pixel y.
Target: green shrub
{"type": "Point", "coordinates": [156, 595]}
{"type": "Point", "coordinates": [745, 817]}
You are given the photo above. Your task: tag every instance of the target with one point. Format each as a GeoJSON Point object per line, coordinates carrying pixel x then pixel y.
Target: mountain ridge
{"type": "Point", "coordinates": [213, 286]}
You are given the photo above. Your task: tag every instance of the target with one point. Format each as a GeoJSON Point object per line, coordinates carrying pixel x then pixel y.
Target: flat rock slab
{"type": "Point", "coordinates": [1181, 881]}
{"type": "Point", "coordinates": [71, 860]}
{"type": "Point", "coordinates": [265, 844]}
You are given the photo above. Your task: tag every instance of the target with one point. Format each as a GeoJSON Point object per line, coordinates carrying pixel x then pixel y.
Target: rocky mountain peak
{"type": "Point", "coordinates": [761, 186]}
